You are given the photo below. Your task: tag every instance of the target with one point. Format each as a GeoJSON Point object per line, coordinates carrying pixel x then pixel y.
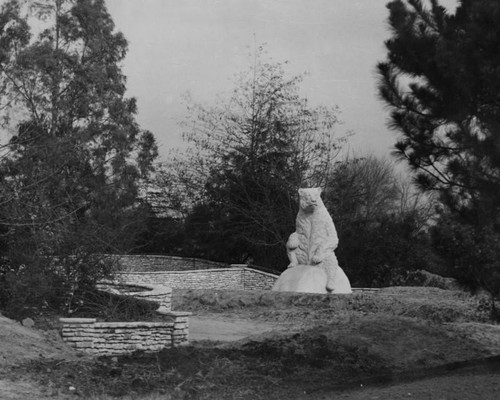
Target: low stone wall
{"type": "Point", "coordinates": [115, 338]}
{"type": "Point", "coordinates": [200, 279]}
{"type": "Point", "coordinates": [237, 278]}
{"type": "Point", "coordinates": [150, 263]}
{"type": "Point", "coordinates": [254, 279]}
{"type": "Point", "coordinates": [157, 293]}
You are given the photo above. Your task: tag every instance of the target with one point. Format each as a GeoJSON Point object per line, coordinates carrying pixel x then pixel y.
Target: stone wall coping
{"type": "Point", "coordinates": [137, 324]}
{"type": "Point", "coordinates": [153, 290]}
{"type": "Point", "coordinates": [174, 313]}
{"type": "Point", "coordinates": [77, 320]}
{"type": "Point", "coordinates": [131, 324]}
{"type": "Point", "coordinates": [166, 257]}
{"type": "Point", "coordinates": [260, 272]}
{"type": "Point", "coordinates": [149, 289]}
{"type": "Point", "coordinates": [196, 271]}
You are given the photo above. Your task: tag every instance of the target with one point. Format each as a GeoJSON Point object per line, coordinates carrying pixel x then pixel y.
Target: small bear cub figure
{"type": "Point", "coordinates": [315, 238]}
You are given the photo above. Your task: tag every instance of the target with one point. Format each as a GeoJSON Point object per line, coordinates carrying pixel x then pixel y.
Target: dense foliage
{"type": "Point", "coordinates": [236, 184]}
{"type": "Point", "coordinates": [71, 174]}
{"type": "Point", "coordinates": [232, 195]}
{"type": "Point", "coordinates": [441, 82]}
{"type": "Point", "coordinates": [471, 254]}
{"type": "Point", "coordinates": [381, 222]}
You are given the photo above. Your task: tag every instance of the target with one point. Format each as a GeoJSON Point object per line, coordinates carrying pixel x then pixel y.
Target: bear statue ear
{"type": "Point", "coordinates": [301, 191]}
{"type": "Point", "coordinates": [319, 190]}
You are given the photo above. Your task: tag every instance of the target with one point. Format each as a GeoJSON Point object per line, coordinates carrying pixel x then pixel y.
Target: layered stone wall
{"type": "Point", "coordinates": [200, 279]}
{"type": "Point", "coordinates": [257, 280]}
{"type": "Point", "coordinates": [190, 273]}
{"type": "Point", "coordinates": [115, 338]}
{"type": "Point", "coordinates": [237, 278]}
{"type": "Point", "coordinates": [150, 263]}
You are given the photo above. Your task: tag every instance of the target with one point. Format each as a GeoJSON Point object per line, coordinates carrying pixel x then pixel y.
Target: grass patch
{"type": "Point", "coordinates": [431, 304]}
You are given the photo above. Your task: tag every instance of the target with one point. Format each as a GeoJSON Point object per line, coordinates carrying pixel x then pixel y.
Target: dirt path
{"type": "Point", "coordinates": [480, 386]}
{"type": "Point", "coordinates": [225, 329]}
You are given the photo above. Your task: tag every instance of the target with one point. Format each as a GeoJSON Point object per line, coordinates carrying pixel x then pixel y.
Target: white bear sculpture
{"type": "Point", "coordinates": [311, 248]}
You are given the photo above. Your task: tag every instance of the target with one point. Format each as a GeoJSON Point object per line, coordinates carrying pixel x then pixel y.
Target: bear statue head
{"type": "Point", "coordinates": [309, 199]}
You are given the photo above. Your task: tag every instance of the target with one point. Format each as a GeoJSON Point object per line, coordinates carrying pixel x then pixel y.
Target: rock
{"type": "Point", "coordinates": [311, 279]}
{"type": "Point", "coordinates": [28, 323]}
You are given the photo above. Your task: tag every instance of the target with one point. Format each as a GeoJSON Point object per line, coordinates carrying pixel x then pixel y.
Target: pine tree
{"type": "Point", "coordinates": [441, 82]}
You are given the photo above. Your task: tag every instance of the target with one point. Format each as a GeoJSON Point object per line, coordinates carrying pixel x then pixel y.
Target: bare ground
{"type": "Point", "coordinates": [19, 345]}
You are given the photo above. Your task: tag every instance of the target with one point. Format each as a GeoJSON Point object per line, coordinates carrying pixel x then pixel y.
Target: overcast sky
{"type": "Point", "coordinates": [198, 46]}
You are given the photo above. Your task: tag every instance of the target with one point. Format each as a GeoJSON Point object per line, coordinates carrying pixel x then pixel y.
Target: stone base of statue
{"type": "Point", "coordinates": [311, 279]}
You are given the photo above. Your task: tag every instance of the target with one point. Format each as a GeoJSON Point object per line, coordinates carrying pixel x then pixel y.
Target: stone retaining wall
{"type": "Point", "coordinates": [237, 278]}
{"type": "Point", "coordinates": [254, 279]}
{"type": "Point", "coordinates": [150, 263]}
{"type": "Point", "coordinates": [115, 338]}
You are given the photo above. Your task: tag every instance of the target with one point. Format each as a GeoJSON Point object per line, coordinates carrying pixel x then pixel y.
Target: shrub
{"type": "Point", "coordinates": [382, 254]}
{"type": "Point", "coordinates": [472, 254]}
{"type": "Point", "coordinates": [31, 284]}
{"type": "Point", "coordinates": [113, 307]}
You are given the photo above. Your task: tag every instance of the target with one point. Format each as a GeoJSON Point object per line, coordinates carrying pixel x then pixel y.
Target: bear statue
{"type": "Point", "coordinates": [311, 248]}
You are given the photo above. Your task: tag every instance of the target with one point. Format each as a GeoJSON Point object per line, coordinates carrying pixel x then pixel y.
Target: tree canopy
{"type": "Point", "coordinates": [71, 174]}
{"type": "Point", "coordinates": [441, 82]}
{"type": "Point", "coordinates": [247, 156]}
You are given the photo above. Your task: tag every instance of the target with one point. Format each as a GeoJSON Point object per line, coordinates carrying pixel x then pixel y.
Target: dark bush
{"type": "Point", "coordinates": [28, 290]}
{"type": "Point", "coordinates": [31, 284]}
{"type": "Point", "coordinates": [113, 307]}
{"type": "Point", "coordinates": [472, 255]}
{"type": "Point", "coordinates": [384, 253]}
